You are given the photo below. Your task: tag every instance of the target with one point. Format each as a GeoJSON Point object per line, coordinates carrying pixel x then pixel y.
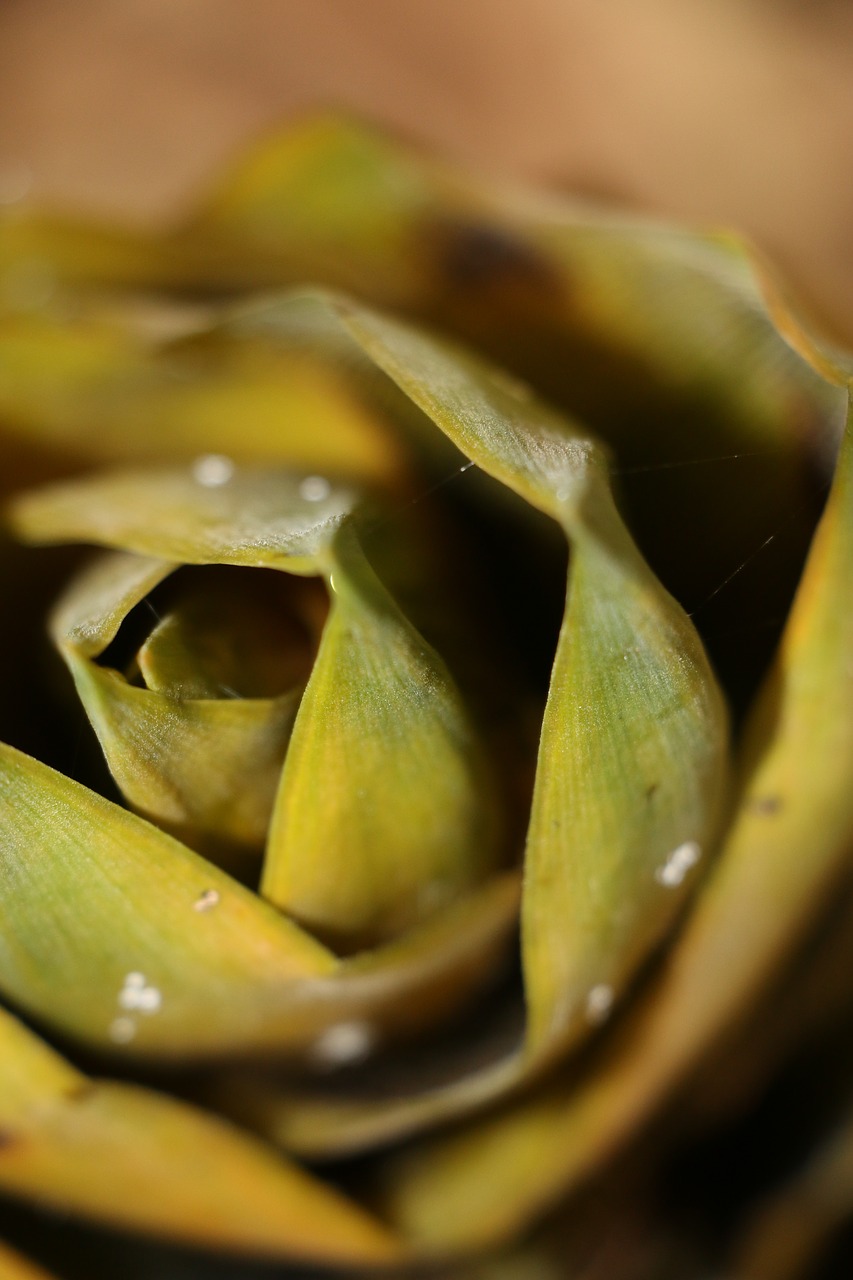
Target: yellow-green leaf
{"type": "Point", "coordinates": [117, 935]}
{"type": "Point", "coordinates": [186, 750]}
{"type": "Point", "coordinates": [632, 767]}
{"type": "Point", "coordinates": [632, 762]}
{"type": "Point", "coordinates": [252, 516]}
{"type": "Point", "coordinates": [111, 388]}
{"type": "Point", "coordinates": [137, 1159]}
{"type": "Point", "coordinates": [386, 811]}
{"type": "Point", "coordinates": [774, 873]}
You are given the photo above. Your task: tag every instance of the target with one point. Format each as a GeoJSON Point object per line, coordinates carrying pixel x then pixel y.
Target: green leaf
{"type": "Point", "coordinates": [252, 516]}
{"type": "Point", "coordinates": [633, 764]}
{"type": "Point", "coordinates": [328, 194]}
{"type": "Point", "coordinates": [775, 871]}
{"type": "Point", "coordinates": [140, 1160]}
{"type": "Point", "coordinates": [117, 386]}
{"type": "Point", "coordinates": [559, 296]}
{"type": "Point", "coordinates": [117, 935]}
{"type": "Point", "coordinates": [203, 765]}
{"type": "Point", "coordinates": [385, 811]}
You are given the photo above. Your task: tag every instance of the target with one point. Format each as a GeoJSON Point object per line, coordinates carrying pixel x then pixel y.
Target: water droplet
{"type": "Point", "coordinates": [679, 862]}
{"type": "Point", "coordinates": [15, 184]}
{"type": "Point", "coordinates": [315, 488]}
{"type": "Point", "coordinates": [206, 901]}
{"type": "Point", "coordinates": [122, 1030]}
{"type": "Point", "coordinates": [212, 470]}
{"type": "Point", "coordinates": [599, 1003]}
{"type": "Point", "coordinates": [343, 1045]}
{"type": "Point", "coordinates": [332, 582]}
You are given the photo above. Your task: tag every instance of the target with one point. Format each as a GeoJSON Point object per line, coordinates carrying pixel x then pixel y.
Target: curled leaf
{"type": "Point", "coordinates": [632, 766]}
{"type": "Point", "coordinates": [180, 961]}
{"type": "Point", "coordinates": [798, 760]}
{"type": "Point", "coordinates": [185, 746]}
{"type": "Point", "coordinates": [385, 812]}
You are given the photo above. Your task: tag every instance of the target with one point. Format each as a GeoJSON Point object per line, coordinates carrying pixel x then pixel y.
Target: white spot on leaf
{"type": "Point", "coordinates": [212, 470]}
{"type": "Point", "coordinates": [343, 1045]}
{"type": "Point", "coordinates": [206, 901]}
{"type": "Point", "coordinates": [679, 862]}
{"type": "Point", "coordinates": [315, 488]}
{"type": "Point", "coordinates": [599, 1003]}
{"type": "Point", "coordinates": [122, 1030]}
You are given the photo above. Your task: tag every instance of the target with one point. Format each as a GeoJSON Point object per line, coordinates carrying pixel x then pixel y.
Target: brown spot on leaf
{"type": "Point", "coordinates": [8, 1138]}
{"type": "Point", "coordinates": [476, 256]}
{"type": "Point", "coordinates": [81, 1091]}
{"type": "Point", "coordinates": [766, 804]}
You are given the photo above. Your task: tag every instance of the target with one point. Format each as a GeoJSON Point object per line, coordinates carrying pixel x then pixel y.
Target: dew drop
{"type": "Point", "coordinates": [212, 470]}
{"type": "Point", "coordinates": [122, 1030]}
{"type": "Point", "coordinates": [206, 901]}
{"type": "Point", "coordinates": [599, 1002]}
{"type": "Point", "coordinates": [679, 862]}
{"type": "Point", "coordinates": [315, 488]}
{"type": "Point", "coordinates": [343, 1045]}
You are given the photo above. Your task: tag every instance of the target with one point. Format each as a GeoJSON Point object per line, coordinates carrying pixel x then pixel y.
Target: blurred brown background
{"type": "Point", "coordinates": [717, 111]}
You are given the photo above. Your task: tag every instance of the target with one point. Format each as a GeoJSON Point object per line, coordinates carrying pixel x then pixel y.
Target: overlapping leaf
{"type": "Point", "coordinates": [633, 755]}
{"type": "Point", "coordinates": [138, 1159]}
{"type": "Point", "coordinates": [99, 906]}
{"type": "Point", "coordinates": [385, 811]}
{"type": "Point", "coordinates": [186, 748]}
{"type": "Point", "coordinates": [631, 765]}
{"type": "Point", "coordinates": [115, 385]}
{"type": "Point", "coordinates": [259, 518]}
{"type": "Point", "coordinates": [775, 870]}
